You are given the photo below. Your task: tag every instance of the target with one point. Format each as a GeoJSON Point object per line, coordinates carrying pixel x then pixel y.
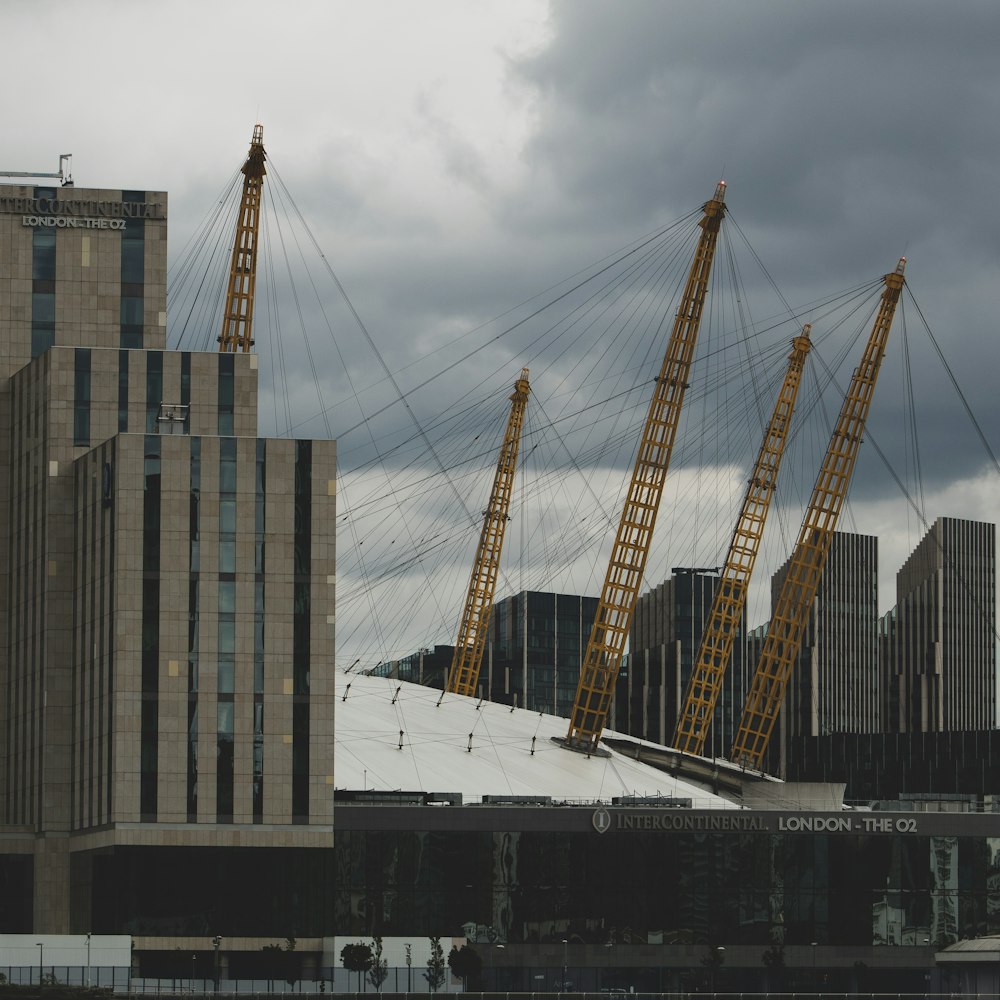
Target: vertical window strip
{"type": "Point", "coordinates": [194, 620]}
{"type": "Point", "coordinates": [154, 389]}
{"type": "Point", "coordinates": [226, 663]}
{"type": "Point", "coordinates": [149, 733]}
{"type": "Point", "coordinates": [227, 393]}
{"type": "Point", "coordinates": [186, 390]}
{"type": "Point", "coordinates": [122, 392]}
{"type": "Point", "coordinates": [300, 631]}
{"type": "Point", "coordinates": [81, 397]}
{"type": "Point", "coordinates": [108, 676]}
{"type": "Point", "coordinates": [43, 288]}
{"type": "Point", "coordinates": [102, 518]}
{"type": "Point", "coordinates": [132, 273]}
{"type": "Point", "coordinates": [258, 632]}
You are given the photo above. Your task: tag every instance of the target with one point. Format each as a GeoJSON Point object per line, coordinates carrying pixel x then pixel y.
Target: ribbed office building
{"type": "Point", "coordinates": [834, 683]}
{"type": "Point", "coordinates": [168, 586]}
{"type": "Point", "coordinates": [944, 655]}
{"type": "Point", "coordinates": [666, 631]}
{"type": "Point", "coordinates": [536, 644]}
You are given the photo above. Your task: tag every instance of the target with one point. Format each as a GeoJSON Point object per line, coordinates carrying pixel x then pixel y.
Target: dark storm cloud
{"type": "Point", "coordinates": [849, 134]}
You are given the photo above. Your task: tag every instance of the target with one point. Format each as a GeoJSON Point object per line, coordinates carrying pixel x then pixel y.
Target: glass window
{"type": "Point", "coordinates": [131, 338]}
{"type": "Point", "coordinates": [227, 517]}
{"type": "Point", "coordinates": [43, 336]}
{"type": "Point", "coordinates": [227, 556]}
{"type": "Point", "coordinates": [227, 675]}
{"type": "Point", "coordinates": [123, 391]}
{"type": "Point", "coordinates": [154, 389]}
{"type": "Point", "coordinates": [43, 255]}
{"type": "Point", "coordinates": [43, 307]}
{"type": "Point", "coordinates": [81, 400]}
{"type": "Point", "coordinates": [227, 634]}
{"type": "Point", "coordinates": [227, 596]}
{"type": "Point", "coordinates": [131, 311]}
{"type": "Point", "coordinates": [133, 255]}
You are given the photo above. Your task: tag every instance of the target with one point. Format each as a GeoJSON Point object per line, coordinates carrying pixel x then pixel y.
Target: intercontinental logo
{"type": "Point", "coordinates": [601, 820]}
{"type": "Point", "coordinates": [78, 213]}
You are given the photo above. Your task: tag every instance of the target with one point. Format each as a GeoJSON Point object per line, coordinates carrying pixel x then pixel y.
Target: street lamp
{"type": "Point", "coordinates": [193, 957]}
{"type": "Point", "coordinates": [41, 961]}
{"type": "Point", "coordinates": [498, 947]}
{"type": "Point", "coordinates": [216, 941]}
{"type": "Point", "coordinates": [88, 961]}
{"type": "Point", "coordinates": [717, 959]}
{"type": "Point", "coordinates": [565, 943]}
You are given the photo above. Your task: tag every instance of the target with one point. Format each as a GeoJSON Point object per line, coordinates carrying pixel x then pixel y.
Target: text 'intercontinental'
{"type": "Point", "coordinates": [627, 821]}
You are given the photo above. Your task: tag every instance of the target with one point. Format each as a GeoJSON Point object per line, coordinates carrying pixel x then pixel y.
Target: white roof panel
{"type": "Point", "coordinates": [476, 748]}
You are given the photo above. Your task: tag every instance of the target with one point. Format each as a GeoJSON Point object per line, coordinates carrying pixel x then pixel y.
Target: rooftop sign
{"type": "Point", "coordinates": [78, 213]}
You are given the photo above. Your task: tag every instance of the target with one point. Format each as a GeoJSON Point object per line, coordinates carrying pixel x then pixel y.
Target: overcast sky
{"type": "Point", "coordinates": [454, 159]}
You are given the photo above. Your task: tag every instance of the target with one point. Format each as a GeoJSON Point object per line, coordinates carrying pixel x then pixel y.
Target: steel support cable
{"type": "Point", "coordinates": [198, 235]}
{"type": "Point", "coordinates": [195, 296]}
{"type": "Point", "coordinates": [782, 348]}
{"type": "Point", "coordinates": [375, 495]}
{"type": "Point", "coordinates": [954, 382]}
{"type": "Point", "coordinates": [913, 504]}
{"type": "Point", "coordinates": [208, 264]}
{"type": "Point", "coordinates": [652, 265]}
{"type": "Point", "coordinates": [412, 608]}
{"type": "Point", "coordinates": [482, 382]}
{"type": "Point", "coordinates": [911, 408]}
{"type": "Point", "coordinates": [783, 526]}
{"type": "Point", "coordinates": [651, 294]}
{"type": "Point", "coordinates": [402, 398]}
{"type": "Point", "coordinates": [378, 355]}
{"type": "Point", "coordinates": [653, 321]}
{"type": "Point", "coordinates": [277, 340]}
{"type": "Point", "coordinates": [312, 363]}
{"type": "Point", "coordinates": [189, 258]}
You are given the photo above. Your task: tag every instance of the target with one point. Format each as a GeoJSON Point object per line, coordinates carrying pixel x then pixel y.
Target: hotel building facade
{"type": "Point", "coordinates": [166, 604]}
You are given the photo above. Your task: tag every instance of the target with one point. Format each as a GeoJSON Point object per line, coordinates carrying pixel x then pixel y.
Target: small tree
{"type": "Point", "coordinates": [435, 974]}
{"type": "Point", "coordinates": [275, 962]}
{"type": "Point", "coordinates": [291, 972]}
{"type": "Point", "coordinates": [356, 958]}
{"type": "Point", "coordinates": [378, 970]}
{"type": "Point", "coordinates": [466, 963]}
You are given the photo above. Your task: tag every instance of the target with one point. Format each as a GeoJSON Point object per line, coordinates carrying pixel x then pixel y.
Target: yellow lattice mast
{"type": "Point", "coordinates": [472, 630]}
{"type": "Point", "coordinates": [705, 683]}
{"type": "Point", "coordinates": [603, 657]}
{"type": "Point", "coordinates": [791, 610]}
{"type": "Point", "coordinates": [237, 320]}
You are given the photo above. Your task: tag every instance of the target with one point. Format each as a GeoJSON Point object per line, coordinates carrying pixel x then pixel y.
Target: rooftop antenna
{"type": "Point", "coordinates": [64, 176]}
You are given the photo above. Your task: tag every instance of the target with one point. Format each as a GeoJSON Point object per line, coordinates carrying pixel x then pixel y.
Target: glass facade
{"type": "Point", "coordinates": [537, 640]}
{"type": "Point", "coordinates": [689, 888]}
{"type": "Point", "coordinates": [890, 766]}
{"type": "Point", "coordinates": [664, 640]}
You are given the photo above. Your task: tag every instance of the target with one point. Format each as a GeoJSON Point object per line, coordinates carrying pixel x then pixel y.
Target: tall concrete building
{"type": "Point", "coordinates": [166, 604]}
{"type": "Point", "coordinates": [944, 655]}
{"type": "Point", "coordinates": [666, 632]}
